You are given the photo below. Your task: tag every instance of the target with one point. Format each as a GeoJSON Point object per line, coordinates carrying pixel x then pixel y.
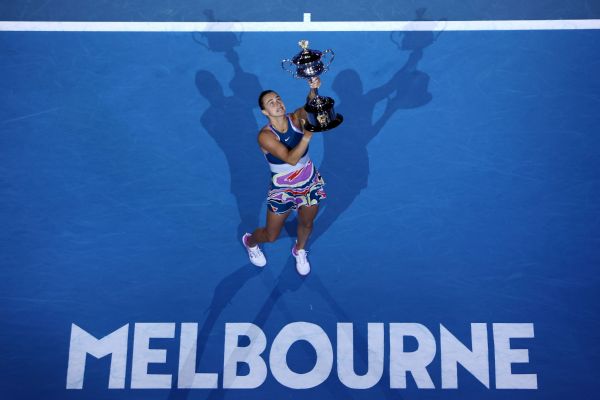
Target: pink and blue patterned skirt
{"type": "Point", "coordinates": [292, 190]}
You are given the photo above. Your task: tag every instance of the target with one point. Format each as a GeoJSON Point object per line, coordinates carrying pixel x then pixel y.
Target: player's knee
{"type": "Point", "coordinates": [306, 224]}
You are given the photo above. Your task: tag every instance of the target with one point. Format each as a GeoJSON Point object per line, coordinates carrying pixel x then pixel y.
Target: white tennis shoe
{"type": "Point", "coordinates": [302, 264]}
{"type": "Point", "coordinates": [255, 254]}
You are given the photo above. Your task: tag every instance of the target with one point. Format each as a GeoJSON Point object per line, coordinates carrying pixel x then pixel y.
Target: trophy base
{"type": "Point", "coordinates": [333, 124]}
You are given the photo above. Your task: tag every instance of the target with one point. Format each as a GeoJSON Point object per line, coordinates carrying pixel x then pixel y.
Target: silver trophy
{"type": "Point", "coordinates": [306, 65]}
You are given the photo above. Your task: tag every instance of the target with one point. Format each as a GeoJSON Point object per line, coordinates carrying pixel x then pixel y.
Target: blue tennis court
{"type": "Point", "coordinates": [455, 256]}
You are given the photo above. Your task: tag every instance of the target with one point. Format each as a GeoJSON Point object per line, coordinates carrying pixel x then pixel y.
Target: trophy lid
{"type": "Point", "coordinates": [307, 55]}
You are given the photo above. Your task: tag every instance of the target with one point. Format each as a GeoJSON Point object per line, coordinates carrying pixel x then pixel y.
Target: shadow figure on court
{"type": "Point", "coordinates": [230, 121]}
{"type": "Point", "coordinates": [225, 290]}
{"type": "Point", "coordinates": [288, 282]}
{"type": "Point", "coordinates": [285, 283]}
{"type": "Point", "coordinates": [346, 166]}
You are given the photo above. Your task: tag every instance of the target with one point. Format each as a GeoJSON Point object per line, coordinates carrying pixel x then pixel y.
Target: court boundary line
{"type": "Point", "coordinates": [307, 25]}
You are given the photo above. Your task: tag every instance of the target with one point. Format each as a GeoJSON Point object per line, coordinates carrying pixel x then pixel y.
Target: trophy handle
{"type": "Point", "coordinates": [328, 56]}
{"type": "Point", "coordinates": [285, 64]}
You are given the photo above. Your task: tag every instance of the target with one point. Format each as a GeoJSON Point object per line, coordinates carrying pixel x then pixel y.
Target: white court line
{"type": "Point", "coordinates": [306, 26]}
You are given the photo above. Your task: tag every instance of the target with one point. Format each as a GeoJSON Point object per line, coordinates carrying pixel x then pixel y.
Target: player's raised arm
{"type": "Point", "coordinates": [314, 84]}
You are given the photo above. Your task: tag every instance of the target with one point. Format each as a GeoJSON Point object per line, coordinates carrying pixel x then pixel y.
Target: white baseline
{"type": "Point", "coordinates": [305, 26]}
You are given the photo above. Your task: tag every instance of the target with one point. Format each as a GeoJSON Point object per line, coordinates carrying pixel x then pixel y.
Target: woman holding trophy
{"type": "Point", "coordinates": [295, 182]}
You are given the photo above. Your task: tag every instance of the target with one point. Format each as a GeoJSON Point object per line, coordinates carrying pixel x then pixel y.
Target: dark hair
{"type": "Point", "coordinates": [260, 97]}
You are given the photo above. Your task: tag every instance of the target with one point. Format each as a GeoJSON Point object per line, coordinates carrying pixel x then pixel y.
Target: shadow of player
{"type": "Point", "coordinates": [225, 290]}
{"type": "Point", "coordinates": [287, 281]}
{"type": "Point", "coordinates": [230, 121]}
{"type": "Point", "coordinates": [345, 166]}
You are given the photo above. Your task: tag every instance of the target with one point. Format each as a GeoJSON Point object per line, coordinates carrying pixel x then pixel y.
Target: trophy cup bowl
{"type": "Point", "coordinates": [306, 65]}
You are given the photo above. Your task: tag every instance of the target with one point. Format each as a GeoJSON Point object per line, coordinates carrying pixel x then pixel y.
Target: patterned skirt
{"type": "Point", "coordinates": [292, 190]}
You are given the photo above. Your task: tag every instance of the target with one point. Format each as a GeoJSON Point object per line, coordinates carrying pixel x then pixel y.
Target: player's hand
{"type": "Point", "coordinates": [307, 134]}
